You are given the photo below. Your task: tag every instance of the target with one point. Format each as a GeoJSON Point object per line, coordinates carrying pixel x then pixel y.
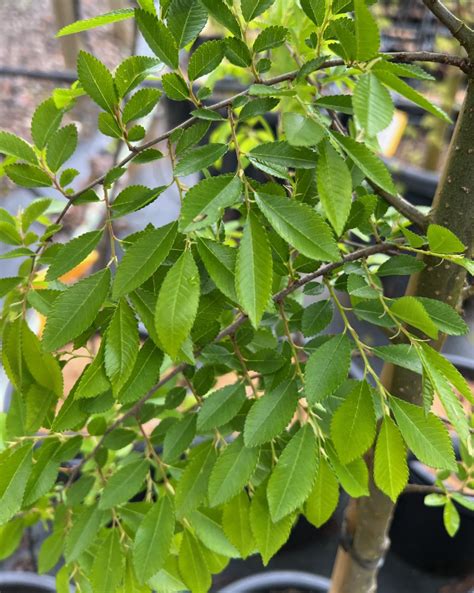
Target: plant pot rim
{"type": "Point", "coordinates": [42, 582]}
{"type": "Point", "coordinates": [278, 578]}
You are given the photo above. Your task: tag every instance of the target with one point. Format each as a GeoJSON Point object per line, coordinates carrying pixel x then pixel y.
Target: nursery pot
{"type": "Point", "coordinates": [279, 580]}
{"type": "Point", "coordinates": [26, 582]}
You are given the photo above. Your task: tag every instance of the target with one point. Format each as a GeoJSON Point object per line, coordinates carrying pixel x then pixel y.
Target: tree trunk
{"type": "Point", "coordinates": [365, 538]}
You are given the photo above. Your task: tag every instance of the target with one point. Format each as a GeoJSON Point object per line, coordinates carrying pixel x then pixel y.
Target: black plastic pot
{"type": "Point", "coordinates": [279, 580]}
{"type": "Point", "coordinates": [26, 582]}
{"type": "Point", "coordinates": [418, 535]}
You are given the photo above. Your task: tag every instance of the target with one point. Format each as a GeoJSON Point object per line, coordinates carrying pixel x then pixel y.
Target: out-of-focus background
{"type": "Point", "coordinates": [33, 63]}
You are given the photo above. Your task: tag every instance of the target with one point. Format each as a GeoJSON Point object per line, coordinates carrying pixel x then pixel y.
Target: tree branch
{"type": "Point", "coordinates": [404, 207]}
{"type": "Point", "coordinates": [432, 489]}
{"type": "Point", "coordinates": [394, 56]}
{"type": "Point", "coordinates": [458, 28]}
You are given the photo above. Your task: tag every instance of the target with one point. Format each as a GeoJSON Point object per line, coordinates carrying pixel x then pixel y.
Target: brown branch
{"type": "Point", "coordinates": [432, 489]}
{"type": "Point", "coordinates": [458, 28]}
{"type": "Point", "coordinates": [404, 207]}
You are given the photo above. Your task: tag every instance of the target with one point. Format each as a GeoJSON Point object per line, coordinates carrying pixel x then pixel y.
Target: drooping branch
{"type": "Point", "coordinates": [288, 76]}
{"type": "Point", "coordinates": [324, 270]}
{"type": "Point", "coordinates": [458, 28]}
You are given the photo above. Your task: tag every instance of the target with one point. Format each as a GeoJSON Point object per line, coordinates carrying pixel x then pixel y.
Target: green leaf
{"type": "Point", "coordinates": [93, 380]}
{"type": "Point", "coordinates": [75, 309]}
{"type": "Point", "coordinates": [314, 10]}
{"type": "Point", "coordinates": [324, 496]}
{"type": "Point", "coordinates": [223, 15]}
{"type": "Point", "coordinates": [158, 37]}
{"type": "Point", "coordinates": [370, 165]}
{"type": "Point", "coordinates": [207, 114]}
{"type": "Point", "coordinates": [61, 147]}
{"type": "Point", "coordinates": [143, 258]}
{"type": "Point", "coordinates": [339, 103]}
{"type": "Point", "coordinates": [442, 240]}
{"type": "Point", "coordinates": [34, 212]}
{"type": "Point", "coordinates": [97, 81]}
{"type": "Point", "coordinates": [15, 469]}
{"type": "Point", "coordinates": [124, 484]}
{"type": "Point", "coordinates": [299, 225]}
{"type": "Point", "coordinates": [327, 368]}
{"type": "Point", "coordinates": [200, 158]}
{"type": "Point", "coordinates": [209, 530]}
{"type": "Point", "coordinates": [83, 532]}
{"type": "Point", "coordinates": [221, 406]}
{"type": "Point", "coordinates": [373, 105]}
{"type": "Point", "coordinates": [186, 19]}
{"type": "Point", "coordinates": [269, 38]}
{"type": "Point", "coordinates": [46, 120]}
{"type": "Point", "coordinates": [366, 32]}
{"type": "Point", "coordinates": [281, 154]}
{"type": "Point", "coordinates": [404, 89]}
{"type": "Point", "coordinates": [193, 484]}
{"type": "Point", "coordinates": [9, 284]}
{"type": "Point", "coordinates": [133, 198]}
{"type": "Point", "coordinates": [444, 317]}
{"type": "Point", "coordinates": [153, 539]}
{"type": "Point", "coordinates": [254, 8]}
{"type": "Point", "coordinates": [316, 317]}
{"type": "Point", "coordinates": [43, 367]}
{"type": "Point", "coordinates": [114, 16]}
{"type": "Point", "coordinates": [108, 567]}
{"type": "Point", "coordinates": [400, 265]}
{"type": "Point", "coordinates": [177, 304]}
{"type": "Point", "coordinates": [450, 401]}
{"type": "Point", "coordinates": [236, 524]}
{"type": "Point", "coordinates": [390, 464]}
{"type": "Point", "coordinates": [133, 71]}
{"type": "Point", "coordinates": [269, 536]}
{"type": "Point", "coordinates": [108, 125]}
{"type": "Point", "coordinates": [448, 370]}
{"type": "Point", "coordinates": [253, 270]}
{"type": "Point", "coordinates": [424, 434]}
{"type": "Point", "coordinates": [411, 311]}
{"type": "Point", "coordinates": [219, 261]}
{"type": "Point", "coordinates": [44, 473]}
{"type": "Point", "coordinates": [140, 104]}
{"type": "Point", "coordinates": [175, 86]}
{"type": "Point", "coordinates": [178, 438]}
{"type": "Point", "coordinates": [271, 414]}
{"type": "Point", "coordinates": [192, 565]}
{"type": "Point", "coordinates": [10, 537]}
{"type": "Point", "coordinates": [237, 52]}
{"type": "Point", "coordinates": [9, 234]}
{"type": "Point", "coordinates": [28, 175]}
{"type": "Point", "coordinates": [121, 345]}
{"type": "Point", "coordinates": [232, 471]}
{"type": "Point", "coordinates": [257, 107]}
{"type": "Point", "coordinates": [353, 424]}
{"type": "Point", "coordinates": [72, 254]}
{"type": "Point", "coordinates": [205, 202]}
{"type": "Point", "coordinates": [206, 58]}
{"type": "Point", "coordinates": [12, 145]}
{"type": "Point", "coordinates": [301, 130]}
{"type": "Point", "coordinates": [403, 355]}
{"type": "Point", "coordinates": [334, 186]}
{"type": "Point", "coordinates": [144, 375]}
{"type": "Point", "coordinates": [451, 518]}
{"type": "Point", "coordinates": [292, 478]}
{"type": "Point", "coordinates": [353, 477]}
